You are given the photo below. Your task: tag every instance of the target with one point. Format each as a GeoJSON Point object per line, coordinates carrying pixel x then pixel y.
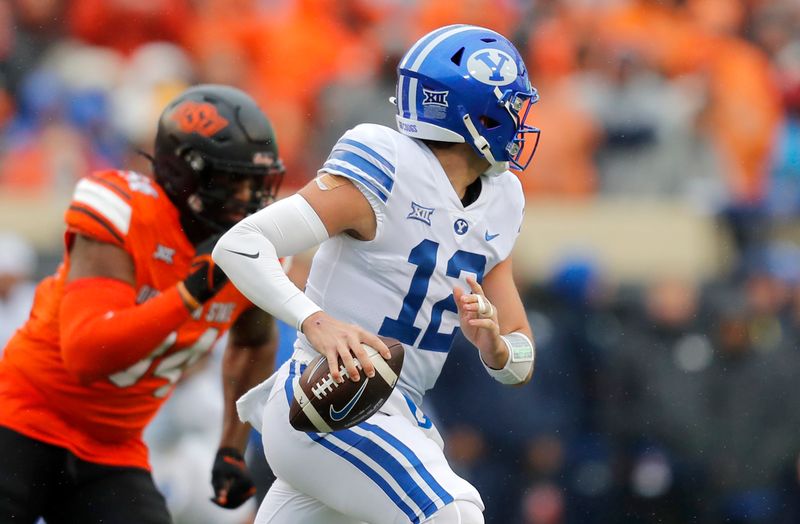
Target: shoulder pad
{"type": "Point", "coordinates": [101, 207]}
{"type": "Point", "coordinates": [366, 154]}
{"type": "Point", "coordinates": [102, 204]}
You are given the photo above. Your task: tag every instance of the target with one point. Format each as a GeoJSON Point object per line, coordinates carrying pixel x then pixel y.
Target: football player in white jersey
{"type": "Point", "coordinates": [416, 228]}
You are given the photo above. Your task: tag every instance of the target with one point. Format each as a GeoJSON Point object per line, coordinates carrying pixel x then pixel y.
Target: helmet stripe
{"type": "Point", "coordinates": [404, 95]}
{"type": "Point", "coordinates": [409, 85]}
{"type": "Point", "coordinates": [407, 109]}
{"type": "Point", "coordinates": [400, 100]}
{"type": "Point", "coordinates": [418, 45]}
{"type": "Point", "coordinates": [438, 40]}
{"type": "Point", "coordinates": [412, 98]}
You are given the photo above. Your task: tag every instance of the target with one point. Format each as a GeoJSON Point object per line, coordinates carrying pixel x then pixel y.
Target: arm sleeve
{"type": "Point", "coordinates": [249, 254]}
{"type": "Point", "coordinates": [103, 330]}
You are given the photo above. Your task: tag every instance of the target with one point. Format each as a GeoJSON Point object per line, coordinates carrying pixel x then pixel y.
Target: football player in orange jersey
{"type": "Point", "coordinates": [136, 301]}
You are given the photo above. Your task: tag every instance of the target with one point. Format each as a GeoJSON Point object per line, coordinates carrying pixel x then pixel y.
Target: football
{"type": "Point", "coordinates": [321, 405]}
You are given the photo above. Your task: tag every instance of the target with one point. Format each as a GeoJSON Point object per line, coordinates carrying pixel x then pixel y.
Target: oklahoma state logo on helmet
{"type": "Point", "coordinates": [198, 117]}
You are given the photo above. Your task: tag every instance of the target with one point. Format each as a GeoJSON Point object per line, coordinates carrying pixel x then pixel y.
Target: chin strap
{"type": "Point", "coordinates": [198, 227]}
{"type": "Point", "coordinates": [495, 167]}
{"type": "Point", "coordinates": [145, 154]}
{"type": "Point", "coordinates": [498, 168]}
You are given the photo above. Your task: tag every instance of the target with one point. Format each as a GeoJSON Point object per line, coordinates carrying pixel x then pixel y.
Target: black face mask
{"type": "Point", "coordinates": [220, 203]}
{"type": "Point", "coordinates": [212, 207]}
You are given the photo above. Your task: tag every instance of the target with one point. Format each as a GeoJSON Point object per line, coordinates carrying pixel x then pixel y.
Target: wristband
{"type": "Point", "coordinates": [521, 356]}
{"type": "Point", "coordinates": [188, 299]}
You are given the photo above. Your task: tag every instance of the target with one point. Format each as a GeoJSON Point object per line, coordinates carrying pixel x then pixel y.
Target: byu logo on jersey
{"type": "Point", "coordinates": [423, 214]}
{"type": "Point", "coordinates": [492, 67]}
{"type": "Point", "coordinates": [460, 226]}
{"type": "Point", "coordinates": [435, 98]}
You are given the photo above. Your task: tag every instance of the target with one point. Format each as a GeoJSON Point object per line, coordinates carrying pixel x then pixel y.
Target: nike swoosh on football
{"type": "Point", "coordinates": [248, 255]}
{"type": "Point", "coordinates": [339, 414]}
{"type": "Point", "coordinates": [489, 237]}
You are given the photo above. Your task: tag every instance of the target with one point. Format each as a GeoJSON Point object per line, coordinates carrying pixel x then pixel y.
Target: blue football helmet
{"type": "Point", "coordinates": [463, 83]}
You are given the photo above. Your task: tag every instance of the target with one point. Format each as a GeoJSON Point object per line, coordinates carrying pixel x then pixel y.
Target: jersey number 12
{"type": "Point", "coordinates": [424, 256]}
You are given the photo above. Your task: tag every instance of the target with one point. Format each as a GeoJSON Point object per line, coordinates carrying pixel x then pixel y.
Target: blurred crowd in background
{"type": "Point", "coordinates": [666, 400]}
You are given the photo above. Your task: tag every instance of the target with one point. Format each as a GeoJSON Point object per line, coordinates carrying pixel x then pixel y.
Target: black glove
{"type": "Point", "coordinates": [206, 279]}
{"type": "Point", "coordinates": [232, 483]}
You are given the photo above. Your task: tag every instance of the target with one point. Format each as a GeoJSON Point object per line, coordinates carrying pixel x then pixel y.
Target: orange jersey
{"type": "Point", "coordinates": [103, 422]}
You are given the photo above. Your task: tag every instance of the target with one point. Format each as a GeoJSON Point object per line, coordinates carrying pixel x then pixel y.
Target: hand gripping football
{"type": "Point", "coordinates": [321, 405]}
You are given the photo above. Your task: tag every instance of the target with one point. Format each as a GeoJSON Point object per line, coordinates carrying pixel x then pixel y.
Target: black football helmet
{"type": "Point", "coordinates": [212, 140]}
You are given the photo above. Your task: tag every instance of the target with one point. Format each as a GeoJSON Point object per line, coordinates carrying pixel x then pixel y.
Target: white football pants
{"type": "Point", "coordinates": [389, 469]}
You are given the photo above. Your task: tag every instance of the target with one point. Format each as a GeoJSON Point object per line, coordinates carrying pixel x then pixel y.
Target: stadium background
{"type": "Point", "coordinates": [658, 261]}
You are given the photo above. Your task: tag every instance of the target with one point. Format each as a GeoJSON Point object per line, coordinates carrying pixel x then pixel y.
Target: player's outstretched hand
{"type": "Point", "coordinates": [232, 482]}
{"type": "Point", "coordinates": [479, 322]}
{"type": "Point", "coordinates": [339, 340]}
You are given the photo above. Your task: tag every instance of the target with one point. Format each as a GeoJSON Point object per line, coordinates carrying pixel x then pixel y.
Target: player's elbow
{"type": "Point", "coordinates": [222, 254]}
{"type": "Point", "coordinates": [83, 353]}
{"type": "Point", "coordinates": [220, 249]}
{"type": "Point", "coordinates": [81, 363]}
{"type": "Point", "coordinates": [234, 240]}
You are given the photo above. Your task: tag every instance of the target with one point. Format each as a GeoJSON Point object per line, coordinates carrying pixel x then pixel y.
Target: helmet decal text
{"type": "Point", "coordinates": [199, 117]}
{"type": "Point", "coordinates": [435, 98]}
{"type": "Point", "coordinates": [263, 158]}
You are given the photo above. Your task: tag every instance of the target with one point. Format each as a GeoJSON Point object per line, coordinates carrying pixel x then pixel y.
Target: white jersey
{"type": "Point", "coordinates": [400, 284]}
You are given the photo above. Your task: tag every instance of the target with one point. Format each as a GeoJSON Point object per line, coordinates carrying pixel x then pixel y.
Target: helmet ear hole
{"type": "Point", "coordinates": [488, 122]}
{"type": "Point", "coordinates": [195, 160]}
